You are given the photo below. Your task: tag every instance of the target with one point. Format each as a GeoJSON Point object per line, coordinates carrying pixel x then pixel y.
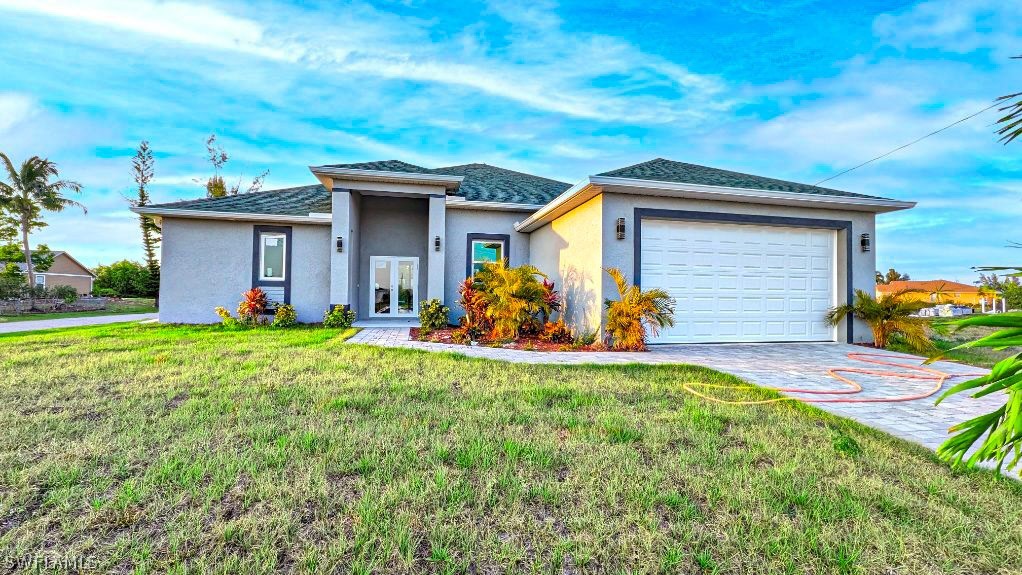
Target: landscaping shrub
{"type": "Point", "coordinates": [103, 292]}
{"type": "Point", "coordinates": [461, 335]}
{"type": "Point", "coordinates": [12, 282]}
{"type": "Point", "coordinates": [338, 317]}
{"type": "Point", "coordinates": [285, 316]}
{"type": "Point", "coordinates": [126, 279]}
{"type": "Point", "coordinates": [513, 297]}
{"type": "Point", "coordinates": [556, 332]}
{"type": "Point", "coordinates": [552, 299]}
{"type": "Point", "coordinates": [66, 293]}
{"type": "Point", "coordinates": [252, 308]}
{"type": "Point", "coordinates": [886, 317]}
{"type": "Point", "coordinates": [432, 315]}
{"type": "Point", "coordinates": [635, 312]}
{"type": "Point", "coordinates": [225, 317]}
{"type": "Point", "coordinates": [475, 322]}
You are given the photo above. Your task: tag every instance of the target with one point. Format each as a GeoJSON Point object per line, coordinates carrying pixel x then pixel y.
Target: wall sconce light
{"type": "Point", "coordinates": [436, 243]}
{"type": "Point", "coordinates": [864, 242]}
{"type": "Point", "coordinates": [340, 244]}
{"type": "Point", "coordinates": [620, 228]}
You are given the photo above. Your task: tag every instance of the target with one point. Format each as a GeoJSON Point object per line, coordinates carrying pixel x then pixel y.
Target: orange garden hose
{"type": "Point", "coordinates": [910, 372]}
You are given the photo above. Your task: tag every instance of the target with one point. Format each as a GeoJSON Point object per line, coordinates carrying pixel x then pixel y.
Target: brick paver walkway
{"type": "Point", "coordinates": [801, 366]}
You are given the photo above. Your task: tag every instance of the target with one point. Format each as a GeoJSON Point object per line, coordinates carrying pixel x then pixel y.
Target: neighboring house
{"type": "Point", "coordinates": [747, 258]}
{"type": "Point", "coordinates": [65, 271]}
{"type": "Point", "coordinates": [934, 291]}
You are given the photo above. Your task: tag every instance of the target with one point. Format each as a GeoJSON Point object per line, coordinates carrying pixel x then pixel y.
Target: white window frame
{"type": "Point", "coordinates": [262, 256]}
{"type": "Point", "coordinates": [40, 280]}
{"type": "Point", "coordinates": [472, 252]}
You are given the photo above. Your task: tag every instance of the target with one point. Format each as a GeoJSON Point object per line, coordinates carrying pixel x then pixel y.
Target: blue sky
{"type": "Point", "coordinates": [797, 90]}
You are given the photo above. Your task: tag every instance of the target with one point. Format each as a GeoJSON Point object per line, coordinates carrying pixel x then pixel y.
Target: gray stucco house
{"type": "Point", "coordinates": [748, 258]}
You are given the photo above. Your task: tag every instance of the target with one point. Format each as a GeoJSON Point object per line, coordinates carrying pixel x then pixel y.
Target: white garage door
{"type": "Point", "coordinates": [741, 283]}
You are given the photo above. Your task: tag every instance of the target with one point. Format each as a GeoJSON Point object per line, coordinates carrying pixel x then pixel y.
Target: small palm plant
{"type": "Point", "coordinates": [886, 316]}
{"type": "Point", "coordinates": [513, 296]}
{"type": "Point", "coordinates": [636, 313]}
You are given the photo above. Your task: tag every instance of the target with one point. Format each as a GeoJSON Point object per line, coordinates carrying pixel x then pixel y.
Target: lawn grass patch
{"type": "Point", "coordinates": [157, 449]}
{"type": "Point", "coordinates": [114, 307]}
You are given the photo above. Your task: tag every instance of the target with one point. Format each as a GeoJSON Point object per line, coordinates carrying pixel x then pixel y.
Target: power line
{"type": "Point", "coordinates": [916, 141]}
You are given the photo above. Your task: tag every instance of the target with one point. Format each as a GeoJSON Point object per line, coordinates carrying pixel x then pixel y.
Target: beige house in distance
{"type": "Point", "coordinates": [65, 271]}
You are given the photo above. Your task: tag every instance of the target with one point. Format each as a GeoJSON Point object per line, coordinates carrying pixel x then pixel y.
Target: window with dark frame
{"type": "Point", "coordinates": [486, 251]}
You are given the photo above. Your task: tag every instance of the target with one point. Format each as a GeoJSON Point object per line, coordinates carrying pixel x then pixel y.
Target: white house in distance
{"type": "Point", "coordinates": [748, 258]}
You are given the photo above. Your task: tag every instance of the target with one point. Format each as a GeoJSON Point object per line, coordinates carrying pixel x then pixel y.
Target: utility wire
{"type": "Point", "coordinates": [916, 141]}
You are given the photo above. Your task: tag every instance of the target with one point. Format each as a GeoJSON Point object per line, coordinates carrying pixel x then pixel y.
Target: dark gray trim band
{"type": "Point", "coordinates": [781, 221]}
{"type": "Point", "coordinates": [256, 282]}
{"type": "Point", "coordinates": [506, 238]}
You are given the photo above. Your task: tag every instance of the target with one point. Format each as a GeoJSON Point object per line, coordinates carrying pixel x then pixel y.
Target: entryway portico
{"type": "Point", "coordinates": [389, 237]}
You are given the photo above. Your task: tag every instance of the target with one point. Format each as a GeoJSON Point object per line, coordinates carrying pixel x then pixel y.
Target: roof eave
{"type": "Point", "coordinates": [230, 216]}
{"type": "Point", "coordinates": [448, 181]}
{"type": "Point", "coordinates": [593, 185]}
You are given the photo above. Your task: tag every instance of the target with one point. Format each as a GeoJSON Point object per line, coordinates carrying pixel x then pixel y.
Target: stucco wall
{"type": "Point", "coordinates": [391, 227]}
{"type": "Point", "coordinates": [460, 223]}
{"type": "Point", "coordinates": [570, 250]}
{"type": "Point", "coordinates": [208, 263]}
{"type": "Point", "coordinates": [620, 252]}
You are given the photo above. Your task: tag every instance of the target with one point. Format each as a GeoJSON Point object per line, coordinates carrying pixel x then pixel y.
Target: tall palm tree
{"type": "Point", "coordinates": [27, 193]}
{"type": "Point", "coordinates": [886, 316]}
{"type": "Point", "coordinates": [635, 312]}
{"type": "Point", "coordinates": [1011, 121]}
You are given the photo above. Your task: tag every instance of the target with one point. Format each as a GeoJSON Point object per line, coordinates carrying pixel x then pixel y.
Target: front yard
{"type": "Point", "coordinates": [171, 449]}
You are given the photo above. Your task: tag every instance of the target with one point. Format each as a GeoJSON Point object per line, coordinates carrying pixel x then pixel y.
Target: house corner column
{"type": "Point", "coordinates": [435, 260]}
{"type": "Point", "coordinates": [340, 227]}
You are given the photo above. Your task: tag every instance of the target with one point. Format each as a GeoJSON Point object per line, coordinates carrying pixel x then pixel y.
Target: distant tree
{"type": "Point", "coordinates": [8, 229]}
{"type": "Point", "coordinates": [42, 257]}
{"type": "Point", "coordinates": [996, 283]}
{"type": "Point", "coordinates": [142, 168]}
{"type": "Point", "coordinates": [890, 276]}
{"type": "Point", "coordinates": [216, 187]}
{"type": "Point", "coordinates": [29, 192]}
{"type": "Point", "coordinates": [124, 278]}
{"type": "Point", "coordinates": [1011, 122]}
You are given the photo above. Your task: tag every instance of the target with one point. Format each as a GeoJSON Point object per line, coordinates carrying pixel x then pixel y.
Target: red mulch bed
{"type": "Point", "coordinates": [528, 343]}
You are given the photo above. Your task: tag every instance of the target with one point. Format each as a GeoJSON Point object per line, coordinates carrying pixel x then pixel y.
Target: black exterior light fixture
{"type": "Point", "coordinates": [864, 242]}
{"type": "Point", "coordinates": [620, 227]}
{"type": "Point", "coordinates": [436, 243]}
{"type": "Point", "coordinates": [340, 244]}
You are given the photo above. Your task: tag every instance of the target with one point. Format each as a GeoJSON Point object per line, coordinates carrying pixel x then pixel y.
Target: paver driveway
{"type": "Point", "coordinates": [802, 366]}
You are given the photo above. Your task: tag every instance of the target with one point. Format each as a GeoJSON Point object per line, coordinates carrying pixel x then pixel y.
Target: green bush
{"type": "Point", "coordinates": [125, 278]}
{"type": "Point", "coordinates": [432, 315]}
{"type": "Point", "coordinates": [103, 292]}
{"type": "Point", "coordinates": [285, 316]}
{"type": "Point", "coordinates": [66, 293]}
{"type": "Point", "coordinates": [338, 317]}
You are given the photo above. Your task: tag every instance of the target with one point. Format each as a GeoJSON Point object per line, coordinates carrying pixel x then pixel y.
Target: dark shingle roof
{"type": "Point", "coordinates": [481, 183]}
{"type": "Point", "coordinates": [662, 170]}
{"type": "Point", "coordinates": [484, 183]}
{"type": "Point", "coordinates": [300, 201]}
{"type": "Point", "coordinates": [384, 166]}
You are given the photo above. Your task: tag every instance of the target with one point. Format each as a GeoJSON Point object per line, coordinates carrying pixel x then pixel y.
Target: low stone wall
{"type": "Point", "coordinates": [20, 306]}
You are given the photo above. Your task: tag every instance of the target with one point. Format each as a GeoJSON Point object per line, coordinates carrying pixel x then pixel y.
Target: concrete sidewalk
{"type": "Point", "coordinates": [19, 326]}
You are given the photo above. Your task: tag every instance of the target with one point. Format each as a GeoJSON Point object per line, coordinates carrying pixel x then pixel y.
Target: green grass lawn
{"type": "Point", "coordinates": [115, 307]}
{"type": "Point", "coordinates": [162, 449]}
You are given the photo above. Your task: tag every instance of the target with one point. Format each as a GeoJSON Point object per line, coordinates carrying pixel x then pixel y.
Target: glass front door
{"type": "Point", "coordinates": [395, 282]}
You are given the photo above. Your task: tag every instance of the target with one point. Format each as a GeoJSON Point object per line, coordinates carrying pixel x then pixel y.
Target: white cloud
{"type": "Point", "coordinates": [548, 69]}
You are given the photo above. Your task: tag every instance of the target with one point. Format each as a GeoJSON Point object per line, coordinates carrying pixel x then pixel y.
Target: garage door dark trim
{"type": "Point", "coordinates": [690, 216]}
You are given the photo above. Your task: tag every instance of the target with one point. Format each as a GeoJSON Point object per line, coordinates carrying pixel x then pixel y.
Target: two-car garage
{"type": "Point", "coordinates": [741, 281]}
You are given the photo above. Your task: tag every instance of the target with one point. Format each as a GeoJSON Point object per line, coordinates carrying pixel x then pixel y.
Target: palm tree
{"type": "Point", "coordinates": [29, 191]}
{"type": "Point", "coordinates": [886, 316]}
{"type": "Point", "coordinates": [1011, 122]}
{"type": "Point", "coordinates": [939, 294]}
{"type": "Point", "coordinates": [512, 296]}
{"type": "Point", "coordinates": [635, 312]}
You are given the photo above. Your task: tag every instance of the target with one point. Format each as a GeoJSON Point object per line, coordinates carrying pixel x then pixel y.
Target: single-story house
{"type": "Point", "coordinates": [748, 258]}
{"type": "Point", "coordinates": [65, 271]}
{"type": "Point", "coordinates": [933, 291]}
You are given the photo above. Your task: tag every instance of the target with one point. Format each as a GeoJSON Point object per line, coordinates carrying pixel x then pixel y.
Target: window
{"type": "Point", "coordinates": [40, 280]}
{"type": "Point", "coordinates": [486, 251]}
{"type": "Point", "coordinates": [273, 247]}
